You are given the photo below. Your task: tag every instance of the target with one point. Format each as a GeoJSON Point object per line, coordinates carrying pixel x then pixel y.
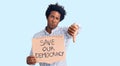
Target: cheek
{"type": "Point", "coordinates": [49, 18]}
{"type": "Point", "coordinates": [49, 21]}
{"type": "Point", "coordinates": [57, 23]}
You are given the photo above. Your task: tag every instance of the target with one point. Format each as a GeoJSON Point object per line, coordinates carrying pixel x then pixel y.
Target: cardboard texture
{"type": "Point", "coordinates": [49, 49]}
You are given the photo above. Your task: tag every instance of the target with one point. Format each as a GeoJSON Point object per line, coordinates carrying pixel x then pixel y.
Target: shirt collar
{"type": "Point", "coordinates": [51, 31]}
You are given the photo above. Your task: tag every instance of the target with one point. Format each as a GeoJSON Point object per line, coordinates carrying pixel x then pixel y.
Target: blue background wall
{"type": "Point", "coordinates": [98, 43]}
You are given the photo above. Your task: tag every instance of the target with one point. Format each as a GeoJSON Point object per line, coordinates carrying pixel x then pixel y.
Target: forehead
{"type": "Point", "coordinates": [56, 13]}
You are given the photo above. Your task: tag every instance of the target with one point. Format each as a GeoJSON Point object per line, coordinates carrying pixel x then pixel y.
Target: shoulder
{"type": "Point", "coordinates": [39, 34]}
{"type": "Point", "coordinates": [63, 28]}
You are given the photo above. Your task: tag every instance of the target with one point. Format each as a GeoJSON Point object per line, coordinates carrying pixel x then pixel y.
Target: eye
{"type": "Point", "coordinates": [57, 18]}
{"type": "Point", "coordinates": [52, 16]}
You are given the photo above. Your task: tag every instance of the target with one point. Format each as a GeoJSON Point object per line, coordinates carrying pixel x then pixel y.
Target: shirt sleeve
{"type": "Point", "coordinates": [31, 53]}
{"type": "Point", "coordinates": [67, 35]}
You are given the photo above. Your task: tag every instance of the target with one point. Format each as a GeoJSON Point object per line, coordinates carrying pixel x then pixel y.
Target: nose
{"type": "Point", "coordinates": [54, 20]}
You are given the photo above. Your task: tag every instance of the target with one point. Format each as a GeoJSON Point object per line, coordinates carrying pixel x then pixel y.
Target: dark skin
{"type": "Point", "coordinates": [52, 22]}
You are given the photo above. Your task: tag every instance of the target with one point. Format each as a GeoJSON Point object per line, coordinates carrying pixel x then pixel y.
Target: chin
{"type": "Point", "coordinates": [53, 27]}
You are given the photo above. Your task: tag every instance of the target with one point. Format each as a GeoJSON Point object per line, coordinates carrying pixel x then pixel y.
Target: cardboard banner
{"type": "Point", "coordinates": [49, 49]}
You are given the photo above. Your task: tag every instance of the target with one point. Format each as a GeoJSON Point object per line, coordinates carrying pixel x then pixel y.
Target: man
{"type": "Point", "coordinates": [54, 14]}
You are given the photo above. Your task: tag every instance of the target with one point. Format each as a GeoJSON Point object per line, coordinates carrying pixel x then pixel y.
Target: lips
{"type": "Point", "coordinates": [53, 25]}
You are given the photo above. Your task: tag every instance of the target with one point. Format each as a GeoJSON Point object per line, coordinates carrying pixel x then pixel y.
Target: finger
{"type": "Point", "coordinates": [72, 34]}
{"type": "Point", "coordinates": [71, 31]}
{"type": "Point", "coordinates": [73, 28]}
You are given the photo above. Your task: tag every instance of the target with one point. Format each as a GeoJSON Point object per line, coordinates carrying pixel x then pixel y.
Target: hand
{"type": "Point", "coordinates": [31, 60]}
{"type": "Point", "coordinates": [73, 31]}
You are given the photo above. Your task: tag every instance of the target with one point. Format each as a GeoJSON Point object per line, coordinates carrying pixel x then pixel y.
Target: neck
{"type": "Point", "coordinates": [49, 30]}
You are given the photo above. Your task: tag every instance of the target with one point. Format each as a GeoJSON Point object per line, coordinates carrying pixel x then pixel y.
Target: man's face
{"type": "Point", "coordinates": [53, 19]}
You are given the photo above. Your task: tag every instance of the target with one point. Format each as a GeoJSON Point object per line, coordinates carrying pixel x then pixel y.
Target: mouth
{"type": "Point", "coordinates": [53, 25]}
